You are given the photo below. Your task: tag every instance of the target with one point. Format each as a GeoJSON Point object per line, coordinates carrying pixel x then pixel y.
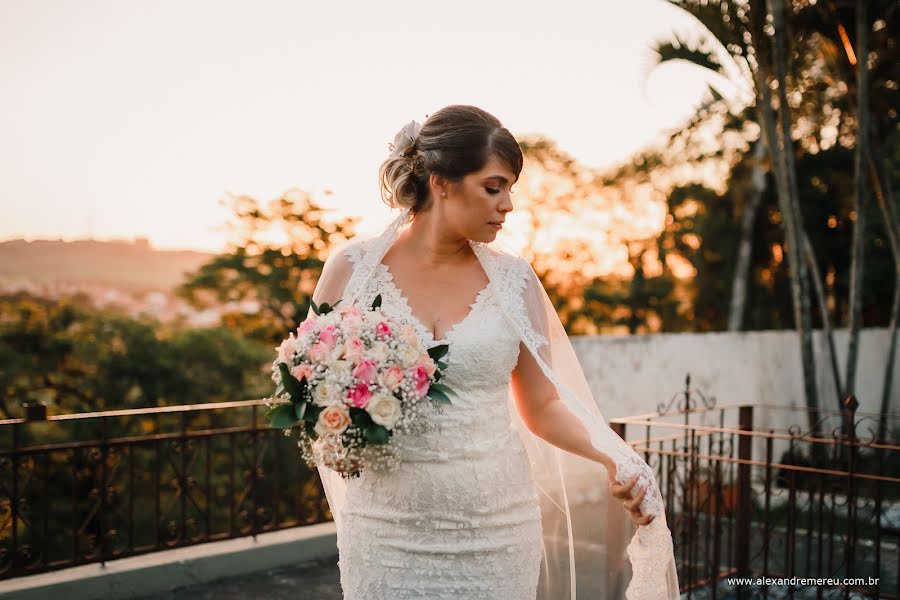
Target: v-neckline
{"type": "Point", "coordinates": [407, 308]}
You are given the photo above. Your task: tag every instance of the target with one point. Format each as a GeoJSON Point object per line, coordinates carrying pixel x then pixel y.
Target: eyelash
{"type": "Point", "coordinates": [492, 190]}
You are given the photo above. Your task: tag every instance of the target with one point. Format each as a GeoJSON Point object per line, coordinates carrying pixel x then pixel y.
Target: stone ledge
{"type": "Point", "coordinates": [165, 570]}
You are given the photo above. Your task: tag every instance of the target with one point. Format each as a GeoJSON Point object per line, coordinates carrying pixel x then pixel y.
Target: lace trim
{"type": "Point", "coordinates": [386, 278]}
{"type": "Point", "coordinates": [513, 281]}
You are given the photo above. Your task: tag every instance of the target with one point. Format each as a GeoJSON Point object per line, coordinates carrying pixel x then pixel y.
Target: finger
{"type": "Point", "coordinates": [640, 518]}
{"type": "Point", "coordinates": [623, 490]}
{"type": "Point", "coordinates": [636, 502]}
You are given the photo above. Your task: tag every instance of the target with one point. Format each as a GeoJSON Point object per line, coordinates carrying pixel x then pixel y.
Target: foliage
{"type": "Point", "coordinates": [76, 358]}
{"type": "Point", "coordinates": [278, 275]}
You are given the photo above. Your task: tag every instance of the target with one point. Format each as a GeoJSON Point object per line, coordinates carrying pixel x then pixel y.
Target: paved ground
{"type": "Point", "coordinates": [307, 581]}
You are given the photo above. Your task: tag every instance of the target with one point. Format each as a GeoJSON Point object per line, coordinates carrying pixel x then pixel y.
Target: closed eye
{"type": "Point", "coordinates": [492, 190]}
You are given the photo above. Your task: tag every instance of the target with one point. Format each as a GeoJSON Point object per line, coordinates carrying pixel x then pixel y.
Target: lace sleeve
{"type": "Point", "coordinates": [654, 575]}
{"type": "Point", "coordinates": [336, 275]}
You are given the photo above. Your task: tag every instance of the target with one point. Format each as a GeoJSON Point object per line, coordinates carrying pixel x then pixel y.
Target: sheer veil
{"type": "Point", "coordinates": [592, 549]}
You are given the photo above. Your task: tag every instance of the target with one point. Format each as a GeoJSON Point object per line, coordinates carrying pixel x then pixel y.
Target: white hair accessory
{"type": "Point", "coordinates": [405, 139]}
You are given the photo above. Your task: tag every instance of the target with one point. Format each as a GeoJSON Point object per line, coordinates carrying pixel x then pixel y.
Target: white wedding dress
{"type": "Point", "coordinates": [461, 518]}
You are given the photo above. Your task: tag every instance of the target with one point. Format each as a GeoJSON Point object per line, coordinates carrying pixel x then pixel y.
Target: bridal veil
{"type": "Point", "coordinates": [592, 549]}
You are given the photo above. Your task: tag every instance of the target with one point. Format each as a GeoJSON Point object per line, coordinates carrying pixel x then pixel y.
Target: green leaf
{"type": "Point", "coordinates": [360, 417]}
{"type": "Point", "coordinates": [436, 394]}
{"type": "Point", "coordinates": [376, 303]}
{"type": "Point", "coordinates": [281, 416]}
{"type": "Point", "coordinates": [437, 352]}
{"type": "Point", "coordinates": [311, 415]}
{"type": "Point", "coordinates": [295, 388]}
{"type": "Point", "coordinates": [441, 365]}
{"type": "Point", "coordinates": [300, 410]}
{"type": "Point", "coordinates": [442, 387]}
{"type": "Point", "coordinates": [437, 376]}
{"type": "Point", "coordinates": [311, 430]}
{"type": "Point", "coordinates": [377, 434]}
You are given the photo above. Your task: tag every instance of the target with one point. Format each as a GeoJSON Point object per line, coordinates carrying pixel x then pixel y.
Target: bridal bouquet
{"type": "Point", "coordinates": [349, 381]}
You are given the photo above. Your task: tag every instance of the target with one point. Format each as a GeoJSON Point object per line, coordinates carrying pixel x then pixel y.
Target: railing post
{"type": "Point", "coordinates": [101, 517]}
{"type": "Point", "coordinates": [742, 531]}
{"type": "Point", "coordinates": [850, 405]}
{"type": "Point", "coordinates": [617, 538]}
{"type": "Point", "coordinates": [14, 500]}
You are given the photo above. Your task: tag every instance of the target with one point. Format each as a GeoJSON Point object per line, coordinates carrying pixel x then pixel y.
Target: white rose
{"type": "Point", "coordinates": [408, 355]}
{"type": "Point", "coordinates": [409, 335]}
{"type": "Point", "coordinates": [341, 368]}
{"type": "Point", "coordinates": [384, 410]}
{"type": "Point", "coordinates": [327, 393]}
{"type": "Point", "coordinates": [379, 351]}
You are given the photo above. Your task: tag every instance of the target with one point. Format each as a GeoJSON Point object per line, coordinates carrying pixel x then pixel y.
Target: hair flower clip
{"type": "Point", "coordinates": [405, 139]}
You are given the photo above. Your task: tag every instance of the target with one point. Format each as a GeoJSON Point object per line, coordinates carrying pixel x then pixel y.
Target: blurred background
{"type": "Point", "coordinates": [175, 173]}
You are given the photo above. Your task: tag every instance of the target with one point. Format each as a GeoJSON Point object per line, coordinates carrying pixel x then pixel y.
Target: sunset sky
{"type": "Point", "coordinates": [130, 118]}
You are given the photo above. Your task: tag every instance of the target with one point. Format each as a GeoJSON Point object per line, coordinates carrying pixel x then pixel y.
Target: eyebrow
{"type": "Point", "coordinates": [499, 177]}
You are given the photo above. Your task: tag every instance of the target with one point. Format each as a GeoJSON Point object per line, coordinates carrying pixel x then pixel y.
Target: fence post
{"type": "Point", "coordinates": [618, 537]}
{"type": "Point", "coordinates": [742, 532]}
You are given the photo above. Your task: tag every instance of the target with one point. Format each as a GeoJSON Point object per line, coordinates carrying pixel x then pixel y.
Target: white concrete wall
{"type": "Point", "coordinates": [631, 374]}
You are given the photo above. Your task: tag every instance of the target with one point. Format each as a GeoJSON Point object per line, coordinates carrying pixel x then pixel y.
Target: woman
{"type": "Point", "coordinates": [482, 494]}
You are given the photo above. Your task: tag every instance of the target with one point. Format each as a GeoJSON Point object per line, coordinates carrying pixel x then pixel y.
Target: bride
{"type": "Point", "coordinates": [509, 487]}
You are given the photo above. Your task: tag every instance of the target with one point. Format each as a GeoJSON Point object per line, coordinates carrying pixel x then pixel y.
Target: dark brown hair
{"type": "Point", "coordinates": [453, 142]}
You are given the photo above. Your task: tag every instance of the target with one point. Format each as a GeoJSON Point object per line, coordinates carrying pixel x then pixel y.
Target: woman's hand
{"type": "Point", "coordinates": [622, 491]}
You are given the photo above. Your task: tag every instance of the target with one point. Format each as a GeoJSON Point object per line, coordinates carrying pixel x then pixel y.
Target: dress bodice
{"type": "Point", "coordinates": [482, 352]}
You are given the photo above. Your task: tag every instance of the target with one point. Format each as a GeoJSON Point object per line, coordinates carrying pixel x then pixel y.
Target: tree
{"type": "Point", "coordinates": [277, 276]}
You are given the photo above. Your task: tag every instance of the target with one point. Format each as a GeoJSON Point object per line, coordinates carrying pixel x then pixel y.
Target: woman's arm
{"type": "Point", "coordinates": [334, 278]}
{"type": "Point", "coordinates": [547, 416]}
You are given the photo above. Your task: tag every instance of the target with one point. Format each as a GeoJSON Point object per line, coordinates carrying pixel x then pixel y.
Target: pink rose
{"type": "Point", "coordinates": [287, 349]}
{"type": "Point", "coordinates": [301, 371]}
{"type": "Point", "coordinates": [307, 325]}
{"type": "Point", "coordinates": [419, 375]}
{"type": "Point", "coordinates": [383, 330]}
{"type": "Point", "coordinates": [359, 395]}
{"type": "Point", "coordinates": [327, 336]}
{"type": "Point", "coordinates": [333, 419]}
{"type": "Point", "coordinates": [426, 361]}
{"type": "Point", "coordinates": [318, 352]}
{"type": "Point", "coordinates": [349, 309]}
{"type": "Point", "coordinates": [353, 349]}
{"type": "Point", "coordinates": [392, 377]}
{"type": "Point", "coordinates": [366, 370]}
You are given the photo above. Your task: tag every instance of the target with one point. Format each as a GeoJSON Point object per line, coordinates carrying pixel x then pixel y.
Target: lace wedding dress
{"type": "Point", "coordinates": [461, 518]}
{"type": "Point", "coordinates": [481, 507]}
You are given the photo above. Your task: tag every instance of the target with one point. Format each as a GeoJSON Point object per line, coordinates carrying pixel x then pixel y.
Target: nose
{"type": "Point", "coordinates": [506, 204]}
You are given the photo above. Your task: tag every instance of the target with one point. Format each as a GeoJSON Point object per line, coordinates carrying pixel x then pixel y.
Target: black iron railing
{"type": "Point", "coordinates": [778, 502]}
{"type": "Point", "coordinates": [742, 500]}
{"type": "Point", "coordinates": [98, 486]}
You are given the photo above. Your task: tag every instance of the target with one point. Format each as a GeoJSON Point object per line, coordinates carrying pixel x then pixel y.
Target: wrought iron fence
{"type": "Point", "coordinates": [790, 511]}
{"type": "Point", "coordinates": [743, 499]}
{"type": "Point", "coordinates": [98, 486]}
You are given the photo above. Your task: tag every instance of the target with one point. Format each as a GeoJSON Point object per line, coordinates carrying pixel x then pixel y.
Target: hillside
{"type": "Point", "coordinates": [129, 266]}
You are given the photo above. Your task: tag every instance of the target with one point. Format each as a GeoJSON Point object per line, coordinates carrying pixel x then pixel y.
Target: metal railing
{"type": "Point", "coordinates": [777, 502]}
{"type": "Point", "coordinates": [741, 500]}
{"type": "Point", "coordinates": [98, 486]}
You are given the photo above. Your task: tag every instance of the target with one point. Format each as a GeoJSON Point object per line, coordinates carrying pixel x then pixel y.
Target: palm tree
{"type": "Point", "coordinates": [861, 193]}
{"type": "Point", "coordinates": [739, 29]}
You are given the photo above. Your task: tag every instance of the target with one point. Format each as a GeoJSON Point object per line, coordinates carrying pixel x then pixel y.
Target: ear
{"type": "Point", "coordinates": [439, 185]}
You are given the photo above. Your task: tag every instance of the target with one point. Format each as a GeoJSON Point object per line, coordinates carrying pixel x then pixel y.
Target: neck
{"type": "Point", "coordinates": [432, 243]}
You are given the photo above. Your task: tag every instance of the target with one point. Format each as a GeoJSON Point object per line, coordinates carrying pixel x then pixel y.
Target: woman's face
{"type": "Point", "coordinates": [481, 199]}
